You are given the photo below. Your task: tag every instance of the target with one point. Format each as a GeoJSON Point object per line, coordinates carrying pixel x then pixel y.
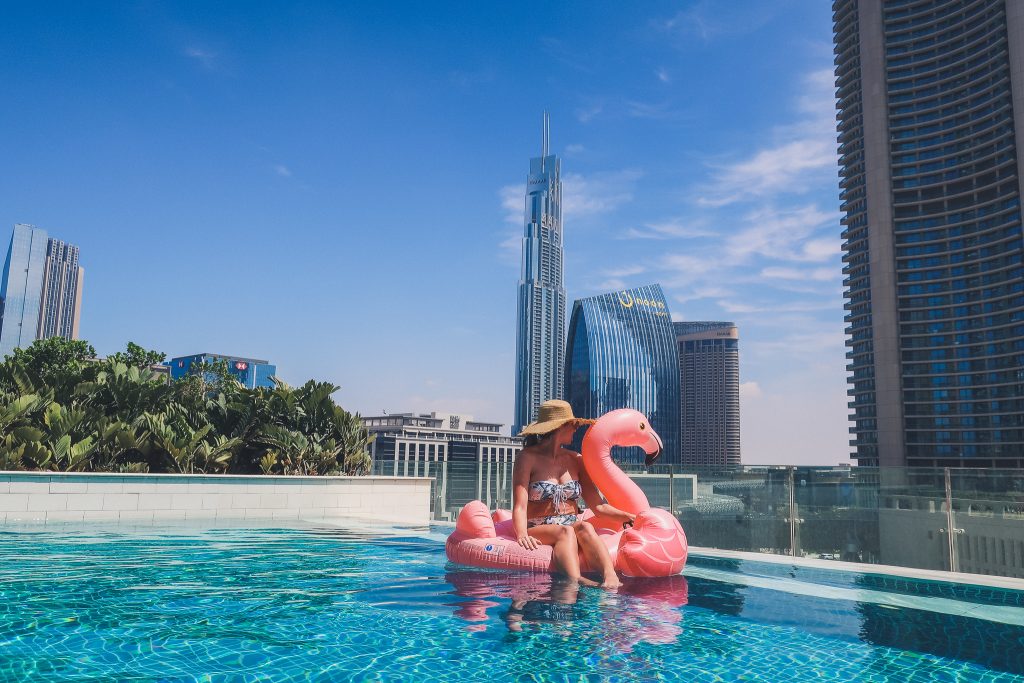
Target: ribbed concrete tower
{"type": "Point", "coordinates": [931, 122]}
{"type": "Point", "coordinates": [540, 333]}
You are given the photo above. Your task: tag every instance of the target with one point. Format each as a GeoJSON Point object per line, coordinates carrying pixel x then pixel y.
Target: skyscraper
{"type": "Point", "coordinates": [931, 119]}
{"type": "Point", "coordinates": [61, 298]}
{"type": "Point", "coordinates": [709, 393]}
{"type": "Point", "coordinates": [622, 354]}
{"type": "Point", "coordinates": [541, 312]}
{"type": "Point", "coordinates": [41, 290]}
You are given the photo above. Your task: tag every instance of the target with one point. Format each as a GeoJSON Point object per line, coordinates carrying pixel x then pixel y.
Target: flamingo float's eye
{"type": "Point", "coordinates": [642, 426]}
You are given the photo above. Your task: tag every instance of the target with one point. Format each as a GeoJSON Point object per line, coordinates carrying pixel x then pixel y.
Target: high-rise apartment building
{"type": "Point", "coordinates": [541, 312]}
{"type": "Point", "coordinates": [61, 296]}
{"type": "Point", "coordinates": [709, 393]}
{"type": "Point", "coordinates": [622, 354]}
{"type": "Point", "coordinates": [40, 290]}
{"type": "Point", "coordinates": [931, 120]}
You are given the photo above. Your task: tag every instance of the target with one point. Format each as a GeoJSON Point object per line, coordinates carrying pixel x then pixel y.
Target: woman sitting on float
{"type": "Point", "coordinates": [547, 482]}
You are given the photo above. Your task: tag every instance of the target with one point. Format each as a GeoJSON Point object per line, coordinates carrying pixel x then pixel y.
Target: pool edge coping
{"type": "Point", "coordinates": [962, 578]}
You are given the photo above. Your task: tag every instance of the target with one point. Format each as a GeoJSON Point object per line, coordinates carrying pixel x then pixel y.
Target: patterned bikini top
{"type": "Point", "coordinates": [558, 494]}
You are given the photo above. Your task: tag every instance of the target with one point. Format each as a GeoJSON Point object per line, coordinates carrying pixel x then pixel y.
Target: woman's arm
{"type": "Point", "coordinates": [596, 502]}
{"type": "Point", "coordinates": [520, 481]}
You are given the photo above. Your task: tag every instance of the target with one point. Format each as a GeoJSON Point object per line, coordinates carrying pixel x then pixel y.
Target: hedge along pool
{"type": "Point", "coordinates": [316, 602]}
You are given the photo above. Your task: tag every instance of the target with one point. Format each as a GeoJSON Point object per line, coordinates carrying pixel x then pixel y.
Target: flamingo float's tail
{"type": "Point", "coordinates": [655, 546]}
{"type": "Point", "coordinates": [475, 521]}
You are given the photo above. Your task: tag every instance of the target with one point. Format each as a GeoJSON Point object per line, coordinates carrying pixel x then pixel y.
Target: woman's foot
{"type": "Point", "coordinates": [611, 582]}
{"type": "Point", "coordinates": [586, 582]}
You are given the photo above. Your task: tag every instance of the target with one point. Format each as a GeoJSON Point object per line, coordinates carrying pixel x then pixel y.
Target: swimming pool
{"type": "Point", "coordinates": [314, 602]}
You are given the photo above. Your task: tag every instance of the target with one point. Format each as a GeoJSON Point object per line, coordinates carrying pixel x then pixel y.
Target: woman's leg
{"type": "Point", "coordinates": [596, 553]}
{"type": "Point", "coordinates": [564, 550]}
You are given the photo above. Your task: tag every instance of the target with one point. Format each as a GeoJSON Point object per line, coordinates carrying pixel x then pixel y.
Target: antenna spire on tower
{"type": "Point", "coordinates": [545, 139]}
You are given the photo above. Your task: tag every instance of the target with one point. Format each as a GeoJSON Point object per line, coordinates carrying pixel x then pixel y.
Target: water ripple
{"type": "Point", "coordinates": [311, 603]}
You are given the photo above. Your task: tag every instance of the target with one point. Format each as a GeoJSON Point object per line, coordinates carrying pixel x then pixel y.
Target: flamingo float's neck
{"type": "Point", "coordinates": [620, 491]}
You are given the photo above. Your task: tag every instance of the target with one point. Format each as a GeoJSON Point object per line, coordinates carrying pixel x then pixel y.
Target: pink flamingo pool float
{"type": "Point", "coordinates": [654, 546]}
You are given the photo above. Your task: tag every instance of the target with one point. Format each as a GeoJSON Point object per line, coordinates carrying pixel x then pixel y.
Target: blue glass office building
{"type": "Point", "coordinates": [40, 290]}
{"type": "Point", "coordinates": [250, 372]}
{"type": "Point", "coordinates": [541, 311]}
{"type": "Point", "coordinates": [930, 96]}
{"type": "Point", "coordinates": [622, 353]}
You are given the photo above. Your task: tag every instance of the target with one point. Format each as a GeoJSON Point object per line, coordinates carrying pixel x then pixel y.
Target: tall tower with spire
{"type": "Point", "coordinates": [540, 333]}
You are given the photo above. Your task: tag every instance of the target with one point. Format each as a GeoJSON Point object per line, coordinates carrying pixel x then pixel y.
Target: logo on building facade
{"type": "Point", "coordinates": [241, 366]}
{"type": "Point", "coordinates": [627, 300]}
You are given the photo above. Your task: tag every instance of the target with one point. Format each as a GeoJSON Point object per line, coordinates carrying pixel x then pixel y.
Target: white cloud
{"type": "Point", "coordinates": [750, 390]}
{"type": "Point", "coordinates": [206, 57]}
{"type": "Point", "coordinates": [795, 163]}
{"type": "Point", "coordinates": [801, 274]}
{"type": "Point", "coordinates": [667, 230]}
{"type": "Point", "coordinates": [770, 171]}
{"type": "Point", "coordinates": [574, 150]}
{"type": "Point", "coordinates": [650, 110]}
{"type": "Point", "coordinates": [513, 202]}
{"type": "Point", "coordinates": [709, 19]}
{"type": "Point", "coordinates": [783, 234]}
{"type": "Point", "coordinates": [283, 170]}
{"type": "Point", "coordinates": [663, 75]}
{"type": "Point", "coordinates": [611, 285]}
{"type": "Point", "coordinates": [746, 307]}
{"type": "Point", "coordinates": [625, 272]}
{"type": "Point", "coordinates": [586, 114]}
{"type": "Point", "coordinates": [706, 292]}
{"type": "Point", "coordinates": [595, 194]}
{"type": "Point", "coordinates": [806, 342]}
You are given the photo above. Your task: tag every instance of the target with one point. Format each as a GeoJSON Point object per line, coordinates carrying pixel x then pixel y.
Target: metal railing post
{"type": "Point", "coordinates": [951, 530]}
{"type": "Point", "coordinates": [792, 513]}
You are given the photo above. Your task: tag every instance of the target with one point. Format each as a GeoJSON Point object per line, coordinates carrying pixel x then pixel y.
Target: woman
{"type": "Point", "coordinates": [547, 482]}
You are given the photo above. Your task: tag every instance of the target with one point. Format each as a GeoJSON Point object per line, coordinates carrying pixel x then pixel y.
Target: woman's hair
{"type": "Point", "coordinates": [534, 439]}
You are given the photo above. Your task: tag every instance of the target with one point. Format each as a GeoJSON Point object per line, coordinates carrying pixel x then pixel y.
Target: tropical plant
{"type": "Point", "coordinates": [61, 409]}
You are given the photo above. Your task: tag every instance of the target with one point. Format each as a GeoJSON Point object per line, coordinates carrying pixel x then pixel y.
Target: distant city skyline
{"type": "Point", "coordinates": [40, 289]}
{"type": "Point", "coordinates": [340, 187]}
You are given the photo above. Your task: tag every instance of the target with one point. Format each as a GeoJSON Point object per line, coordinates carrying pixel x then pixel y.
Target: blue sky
{"type": "Point", "coordinates": [338, 188]}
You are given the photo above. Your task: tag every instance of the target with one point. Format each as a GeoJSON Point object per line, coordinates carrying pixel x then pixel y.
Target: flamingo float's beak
{"type": "Point", "coordinates": [652, 448]}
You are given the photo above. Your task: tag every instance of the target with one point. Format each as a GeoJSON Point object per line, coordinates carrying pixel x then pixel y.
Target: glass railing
{"type": "Point", "coordinates": [967, 520]}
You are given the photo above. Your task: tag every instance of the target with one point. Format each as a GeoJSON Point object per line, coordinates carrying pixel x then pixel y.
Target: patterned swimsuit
{"type": "Point", "coordinates": [559, 495]}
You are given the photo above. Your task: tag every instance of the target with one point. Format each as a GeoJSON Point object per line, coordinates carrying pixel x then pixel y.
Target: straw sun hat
{"type": "Point", "coordinates": [552, 415]}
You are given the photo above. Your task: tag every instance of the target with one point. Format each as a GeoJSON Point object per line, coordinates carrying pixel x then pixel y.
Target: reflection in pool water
{"type": "Point", "coordinates": [541, 598]}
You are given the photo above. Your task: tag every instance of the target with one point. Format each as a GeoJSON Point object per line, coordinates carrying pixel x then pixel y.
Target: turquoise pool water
{"type": "Point", "coordinates": [315, 603]}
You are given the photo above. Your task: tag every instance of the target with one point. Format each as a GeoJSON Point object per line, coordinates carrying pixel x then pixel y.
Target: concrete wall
{"type": "Point", "coordinates": [53, 497]}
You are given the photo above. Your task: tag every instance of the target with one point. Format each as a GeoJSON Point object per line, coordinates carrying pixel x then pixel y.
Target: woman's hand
{"type": "Point", "coordinates": [628, 524]}
{"type": "Point", "coordinates": [528, 542]}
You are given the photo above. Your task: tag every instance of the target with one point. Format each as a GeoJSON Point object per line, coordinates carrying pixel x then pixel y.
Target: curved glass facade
{"type": "Point", "coordinates": [934, 251]}
{"type": "Point", "coordinates": [621, 353]}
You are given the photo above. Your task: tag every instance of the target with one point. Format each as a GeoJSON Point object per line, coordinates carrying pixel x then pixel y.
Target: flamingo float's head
{"type": "Point", "coordinates": [628, 427]}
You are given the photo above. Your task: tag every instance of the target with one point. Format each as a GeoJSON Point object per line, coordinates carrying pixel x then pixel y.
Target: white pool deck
{"type": "Point", "coordinates": [52, 497]}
